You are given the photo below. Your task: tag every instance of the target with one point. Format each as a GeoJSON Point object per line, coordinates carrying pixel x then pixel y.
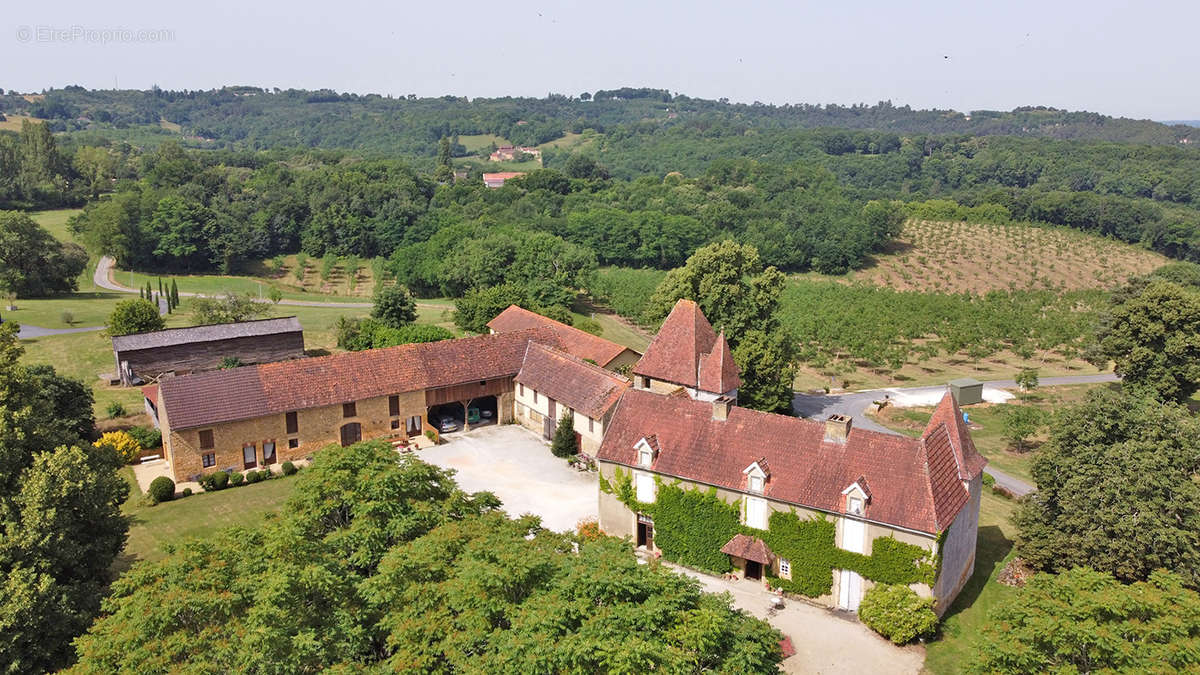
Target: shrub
{"type": "Point", "coordinates": [187, 492]}
{"type": "Point", "coordinates": [253, 477]}
{"type": "Point", "coordinates": [988, 480]}
{"type": "Point", "coordinates": [431, 435]}
{"type": "Point", "coordinates": [898, 613]}
{"type": "Point", "coordinates": [236, 479]}
{"type": "Point", "coordinates": [215, 481]}
{"type": "Point", "coordinates": [116, 409]}
{"type": "Point", "coordinates": [162, 489]}
{"type": "Point", "coordinates": [287, 468]}
{"type": "Point", "coordinates": [124, 445]}
{"type": "Point", "coordinates": [147, 437]}
{"type": "Point", "coordinates": [564, 444]}
{"type": "Point", "coordinates": [134, 316]}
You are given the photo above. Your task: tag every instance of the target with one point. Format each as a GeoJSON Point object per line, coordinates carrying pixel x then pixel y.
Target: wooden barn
{"type": "Point", "coordinates": [148, 356]}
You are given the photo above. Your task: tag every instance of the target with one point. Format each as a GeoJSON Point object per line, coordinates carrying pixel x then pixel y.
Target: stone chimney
{"type": "Point", "coordinates": [837, 428]}
{"type": "Point", "coordinates": [721, 408]}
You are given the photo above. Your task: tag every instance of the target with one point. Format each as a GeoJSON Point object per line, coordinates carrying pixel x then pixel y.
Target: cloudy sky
{"type": "Point", "coordinates": [1134, 59]}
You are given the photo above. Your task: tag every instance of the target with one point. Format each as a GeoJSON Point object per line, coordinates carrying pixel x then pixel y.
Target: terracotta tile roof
{"type": "Point", "coordinates": [571, 381]}
{"type": "Point", "coordinates": [969, 461]}
{"type": "Point", "coordinates": [907, 476]}
{"type": "Point", "coordinates": [578, 342]}
{"type": "Point", "coordinates": [209, 333]}
{"type": "Point", "coordinates": [750, 548]}
{"type": "Point", "coordinates": [272, 388]}
{"type": "Point", "coordinates": [150, 391]}
{"type": "Point", "coordinates": [687, 351]}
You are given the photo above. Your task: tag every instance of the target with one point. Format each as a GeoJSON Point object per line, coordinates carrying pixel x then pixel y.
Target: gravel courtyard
{"type": "Point", "coordinates": [516, 465]}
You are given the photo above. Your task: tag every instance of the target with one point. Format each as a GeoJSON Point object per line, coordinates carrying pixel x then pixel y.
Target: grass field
{"type": "Point", "coordinates": [571, 141]}
{"type": "Point", "coordinates": [976, 258]}
{"type": "Point", "coordinates": [988, 437]}
{"type": "Point", "coordinates": [13, 122]}
{"type": "Point", "coordinates": [477, 142]}
{"type": "Point", "coordinates": [952, 651]}
{"type": "Point", "coordinates": [199, 515]}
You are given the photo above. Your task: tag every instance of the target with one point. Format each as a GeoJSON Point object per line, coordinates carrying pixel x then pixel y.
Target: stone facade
{"type": "Point", "coordinates": [618, 520]}
{"type": "Point", "coordinates": [315, 429]}
{"type": "Point", "coordinates": [958, 550]}
{"type": "Point", "coordinates": [532, 409]}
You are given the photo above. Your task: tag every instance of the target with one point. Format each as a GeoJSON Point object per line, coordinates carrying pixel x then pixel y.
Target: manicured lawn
{"type": "Point", "coordinates": [476, 142]}
{"type": "Point", "coordinates": [952, 650]}
{"type": "Point", "coordinates": [199, 515]}
{"type": "Point", "coordinates": [87, 309]}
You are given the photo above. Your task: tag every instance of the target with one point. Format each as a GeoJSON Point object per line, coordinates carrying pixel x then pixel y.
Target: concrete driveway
{"type": "Point", "coordinates": [516, 465]}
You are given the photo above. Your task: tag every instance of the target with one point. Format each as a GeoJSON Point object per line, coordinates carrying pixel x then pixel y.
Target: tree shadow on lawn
{"type": "Point", "coordinates": [991, 548]}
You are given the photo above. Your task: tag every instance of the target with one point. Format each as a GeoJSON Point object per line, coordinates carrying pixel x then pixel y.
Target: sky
{"type": "Point", "coordinates": [1130, 59]}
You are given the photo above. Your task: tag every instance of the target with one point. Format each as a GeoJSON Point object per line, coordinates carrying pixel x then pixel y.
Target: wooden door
{"type": "Point", "coordinates": [551, 422]}
{"type": "Point", "coordinates": [268, 452]}
{"type": "Point", "coordinates": [249, 456]}
{"type": "Point", "coordinates": [351, 434]}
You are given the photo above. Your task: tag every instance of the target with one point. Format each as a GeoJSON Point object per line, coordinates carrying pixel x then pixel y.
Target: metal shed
{"type": "Point", "coordinates": [967, 390]}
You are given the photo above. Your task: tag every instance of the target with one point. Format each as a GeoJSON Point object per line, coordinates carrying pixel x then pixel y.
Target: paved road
{"type": "Point", "coordinates": [104, 279]}
{"type": "Point", "coordinates": [855, 405]}
{"type": "Point", "coordinates": [28, 332]}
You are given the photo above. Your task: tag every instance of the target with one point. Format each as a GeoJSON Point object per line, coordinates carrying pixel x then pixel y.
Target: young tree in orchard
{"type": "Point", "coordinates": [1087, 622]}
{"type": "Point", "coordinates": [32, 262]}
{"type": "Point", "coordinates": [1116, 490]}
{"type": "Point", "coordinates": [737, 294]}
{"type": "Point", "coordinates": [60, 521]}
{"type": "Point", "coordinates": [394, 306]}
{"type": "Point", "coordinates": [134, 316]}
{"type": "Point", "coordinates": [1153, 340]}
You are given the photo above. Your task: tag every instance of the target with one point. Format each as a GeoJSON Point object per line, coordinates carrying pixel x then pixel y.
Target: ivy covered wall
{"type": "Point", "coordinates": [691, 526]}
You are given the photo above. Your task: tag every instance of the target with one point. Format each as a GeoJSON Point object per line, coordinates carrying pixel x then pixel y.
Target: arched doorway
{"type": "Point", "coordinates": [351, 433]}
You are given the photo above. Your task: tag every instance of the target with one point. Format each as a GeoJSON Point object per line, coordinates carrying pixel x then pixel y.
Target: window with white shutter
{"type": "Point", "coordinates": [756, 513]}
{"type": "Point", "coordinates": [645, 488]}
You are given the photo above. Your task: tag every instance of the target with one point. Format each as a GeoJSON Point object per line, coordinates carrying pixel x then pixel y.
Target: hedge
{"type": "Point", "coordinates": [898, 613]}
{"type": "Point", "coordinates": [691, 526]}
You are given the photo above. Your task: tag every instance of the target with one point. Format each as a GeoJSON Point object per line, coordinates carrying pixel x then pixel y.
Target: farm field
{"type": "Point", "coordinates": [13, 122]}
{"type": "Point", "coordinates": [977, 258]}
{"type": "Point", "coordinates": [474, 143]}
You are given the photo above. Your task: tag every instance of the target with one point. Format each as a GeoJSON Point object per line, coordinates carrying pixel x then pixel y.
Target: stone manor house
{"type": "Point", "coordinates": [675, 422]}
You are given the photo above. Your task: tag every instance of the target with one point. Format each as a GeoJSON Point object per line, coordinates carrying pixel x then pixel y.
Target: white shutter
{"type": "Point", "coordinates": [645, 488]}
{"type": "Point", "coordinates": [756, 513]}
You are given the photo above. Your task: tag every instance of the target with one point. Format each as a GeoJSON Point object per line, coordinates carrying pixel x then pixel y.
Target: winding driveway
{"type": "Point", "coordinates": [855, 405]}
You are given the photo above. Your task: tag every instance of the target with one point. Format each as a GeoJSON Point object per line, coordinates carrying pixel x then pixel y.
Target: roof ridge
{"type": "Point", "coordinates": [600, 370]}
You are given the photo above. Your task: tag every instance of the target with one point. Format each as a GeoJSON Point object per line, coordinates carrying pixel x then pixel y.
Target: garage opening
{"type": "Point", "coordinates": [447, 417]}
{"type": "Point", "coordinates": [482, 411]}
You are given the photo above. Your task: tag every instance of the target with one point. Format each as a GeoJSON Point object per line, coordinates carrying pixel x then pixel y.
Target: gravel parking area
{"type": "Point", "coordinates": [516, 465]}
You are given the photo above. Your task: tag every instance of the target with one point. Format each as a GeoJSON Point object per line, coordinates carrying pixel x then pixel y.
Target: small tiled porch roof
{"type": "Point", "coordinates": [750, 548]}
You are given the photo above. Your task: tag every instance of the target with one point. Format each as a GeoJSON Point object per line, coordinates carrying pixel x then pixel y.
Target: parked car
{"type": "Point", "coordinates": [447, 424]}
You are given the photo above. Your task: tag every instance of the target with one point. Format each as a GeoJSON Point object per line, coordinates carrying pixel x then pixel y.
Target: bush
{"type": "Point", "coordinates": [147, 437]}
{"type": "Point", "coordinates": [564, 444]}
{"type": "Point", "coordinates": [134, 316]}
{"type": "Point", "coordinates": [215, 481]}
{"type": "Point", "coordinates": [162, 489]}
{"type": "Point", "coordinates": [120, 442]}
{"type": "Point", "coordinates": [287, 468]}
{"type": "Point", "coordinates": [253, 476]}
{"type": "Point", "coordinates": [115, 409]}
{"type": "Point", "coordinates": [897, 613]}
{"type": "Point", "coordinates": [187, 492]}
{"type": "Point", "coordinates": [236, 479]}
{"type": "Point", "coordinates": [988, 480]}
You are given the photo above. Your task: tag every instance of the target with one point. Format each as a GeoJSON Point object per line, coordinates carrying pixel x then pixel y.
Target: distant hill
{"type": "Point", "coordinates": [1186, 123]}
{"type": "Point", "coordinates": [256, 118]}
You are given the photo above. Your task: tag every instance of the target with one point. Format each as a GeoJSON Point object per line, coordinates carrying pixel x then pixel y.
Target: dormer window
{"type": "Point", "coordinates": [757, 475]}
{"type": "Point", "coordinates": [857, 496]}
{"type": "Point", "coordinates": [854, 506]}
{"type": "Point", "coordinates": [647, 451]}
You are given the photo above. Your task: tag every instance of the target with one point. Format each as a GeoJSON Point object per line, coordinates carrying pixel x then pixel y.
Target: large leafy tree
{"type": "Point", "coordinates": [376, 562]}
{"type": "Point", "coordinates": [738, 295]}
{"type": "Point", "coordinates": [394, 306]}
{"type": "Point", "coordinates": [1153, 340]}
{"type": "Point", "coordinates": [60, 520]}
{"type": "Point", "coordinates": [1116, 490]}
{"type": "Point", "coordinates": [1083, 621]}
{"type": "Point", "coordinates": [134, 316]}
{"type": "Point", "coordinates": [34, 263]}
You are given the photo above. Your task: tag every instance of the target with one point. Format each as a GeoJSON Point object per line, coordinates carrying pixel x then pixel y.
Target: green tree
{"type": "Point", "coordinates": [564, 444]}
{"type": "Point", "coordinates": [174, 294]}
{"type": "Point", "coordinates": [134, 316]}
{"type": "Point", "coordinates": [60, 521]}
{"type": "Point", "coordinates": [275, 295]}
{"type": "Point", "coordinates": [394, 306]}
{"type": "Point", "coordinates": [1116, 490]}
{"type": "Point", "coordinates": [1018, 423]}
{"type": "Point", "coordinates": [1153, 340]}
{"type": "Point", "coordinates": [480, 305]}
{"type": "Point", "coordinates": [66, 400]}
{"type": "Point", "coordinates": [1027, 379]}
{"type": "Point", "coordinates": [1086, 621]}
{"type": "Point", "coordinates": [768, 368]}
{"type": "Point", "coordinates": [228, 308]}
{"type": "Point", "coordinates": [34, 263]}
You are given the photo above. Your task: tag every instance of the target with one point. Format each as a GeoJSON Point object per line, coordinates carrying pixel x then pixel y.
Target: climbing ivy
{"type": "Point", "coordinates": [691, 526]}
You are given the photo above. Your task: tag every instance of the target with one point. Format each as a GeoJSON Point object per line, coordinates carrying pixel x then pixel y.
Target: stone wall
{"type": "Point", "coordinates": [958, 550]}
